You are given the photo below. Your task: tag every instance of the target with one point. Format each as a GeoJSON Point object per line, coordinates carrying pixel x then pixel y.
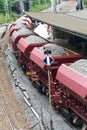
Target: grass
{"type": "Point", "coordinates": [5, 19]}
{"type": "Point", "coordinates": [2, 19]}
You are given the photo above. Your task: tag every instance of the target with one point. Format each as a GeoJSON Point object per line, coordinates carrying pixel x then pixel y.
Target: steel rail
{"type": "Point", "coordinates": [26, 97]}
{"type": "Point", "coordinates": [32, 109]}
{"type": "Point", "coordinates": [6, 112]}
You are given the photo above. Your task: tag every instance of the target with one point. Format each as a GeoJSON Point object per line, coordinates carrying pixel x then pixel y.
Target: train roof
{"type": "Point", "coordinates": [65, 22]}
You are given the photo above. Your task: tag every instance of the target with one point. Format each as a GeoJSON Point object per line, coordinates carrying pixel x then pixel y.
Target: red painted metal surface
{"type": "Point", "coordinates": [23, 45]}
{"type": "Point", "coordinates": [26, 47]}
{"type": "Point", "coordinates": [15, 38]}
{"type": "Point", "coordinates": [15, 27]}
{"type": "Point", "coordinates": [28, 20]}
{"type": "Point", "coordinates": [22, 59]}
{"type": "Point", "coordinates": [66, 58]}
{"type": "Point", "coordinates": [73, 80]}
{"type": "Point", "coordinates": [37, 56]}
{"type": "Point", "coordinates": [13, 24]}
{"type": "Point", "coordinates": [26, 23]}
{"type": "Point", "coordinates": [16, 35]}
{"type": "Point", "coordinates": [58, 60]}
{"type": "Point", "coordinates": [12, 29]}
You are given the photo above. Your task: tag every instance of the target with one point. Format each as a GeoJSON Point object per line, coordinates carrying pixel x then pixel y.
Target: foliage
{"type": "Point", "coordinates": [16, 7]}
{"type": "Point", "coordinates": [85, 3]}
{"type": "Point", "coordinates": [2, 18]}
{"type": "Point", "coordinates": [35, 2]}
{"type": "Point", "coordinates": [42, 5]}
{"type": "Point", "coordinates": [12, 17]}
{"type": "Point", "coordinates": [2, 7]}
{"type": "Point", "coordinates": [35, 5]}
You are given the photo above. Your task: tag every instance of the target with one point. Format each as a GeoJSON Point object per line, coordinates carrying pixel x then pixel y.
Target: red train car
{"type": "Point", "coordinates": [21, 22]}
{"type": "Point", "coordinates": [24, 48]}
{"type": "Point", "coordinates": [72, 92]}
{"type": "Point", "coordinates": [38, 69]}
{"type": "Point", "coordinates": [20, 33]}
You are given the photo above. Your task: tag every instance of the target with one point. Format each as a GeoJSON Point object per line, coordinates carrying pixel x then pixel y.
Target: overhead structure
{"type": "Point", "coordinates": [65, 22]}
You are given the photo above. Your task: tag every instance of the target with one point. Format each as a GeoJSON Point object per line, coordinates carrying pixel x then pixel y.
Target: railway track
{"type": "Point", "coordinates": [12, 116]}
{"type": "Point", "coordinates": [6, 114]}
{"type": "Point", "coordinates": [27, 101]}
{"type": "Point", "coordinates": [34, 99]}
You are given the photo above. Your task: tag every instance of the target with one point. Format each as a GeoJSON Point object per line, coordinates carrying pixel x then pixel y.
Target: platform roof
{"type": "Point", "coordinates": [65, 22]}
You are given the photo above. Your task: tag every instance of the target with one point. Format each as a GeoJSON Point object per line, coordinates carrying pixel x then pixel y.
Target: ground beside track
{"type": "Point", "coordinates": [39, 101]}
{"type": "Point", "coordinates": [12, 114]}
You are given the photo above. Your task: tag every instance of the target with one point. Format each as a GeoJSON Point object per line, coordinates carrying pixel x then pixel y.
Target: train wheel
{"type": "Point", "coordinates": [66, 114]}
{"type": "Point", "coordinates": [16, 56]}
{"type": "Point", "coordinates": [23, 67]}
{"type": "Point", "coordinates": [43, 89]}
{"type": "Point", "coordinates": [78, 123]}
{"type": "Point", "coordinates": [47, 92]}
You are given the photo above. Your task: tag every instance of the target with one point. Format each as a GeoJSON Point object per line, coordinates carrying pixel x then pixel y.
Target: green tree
{"type": "Point", "coordinates": [85, 3]}
{"type": "Point", "coordinates": [2, 7]}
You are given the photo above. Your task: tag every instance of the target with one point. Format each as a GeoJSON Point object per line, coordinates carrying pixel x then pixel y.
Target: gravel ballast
{"type": "Point", "coordinates": [80, 66]}
{"type": "Point", "coordinates": [55, 49]}
{"type": "Point", "coordinates": [39, 101]}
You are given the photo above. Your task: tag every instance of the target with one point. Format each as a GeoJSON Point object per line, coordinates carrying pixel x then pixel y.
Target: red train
{"type": "Point", "coordinates": [68, 87]}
